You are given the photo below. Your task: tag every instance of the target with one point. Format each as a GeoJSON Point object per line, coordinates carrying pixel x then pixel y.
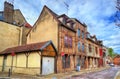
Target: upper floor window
{"type": "Point", "coordinates": [96, 50]}
{"type": "Point", "coordinates": [82, 34]}
{"type": "Point", "coordinates": [79, 46]}
{"type": "Point", "coordinates": [83, 47]}
{"type": "Point", "coordinates": [88, 35]}
{"type": "Point", "coordinates": [78, 32]}
{"type": "Point", "coordinates": [90, 48]}
{"type": "Point", "coordinates": [68, 41]}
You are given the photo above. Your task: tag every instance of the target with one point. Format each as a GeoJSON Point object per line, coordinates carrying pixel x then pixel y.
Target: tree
{"type": "Point", "coordinates": [111, 52]}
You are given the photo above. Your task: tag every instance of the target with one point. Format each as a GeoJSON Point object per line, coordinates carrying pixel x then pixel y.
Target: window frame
{"type": "Point", "coordinates": [78, 32]}
{"type": "Point", "coordinates": [66, 61]}
{"type": "Point", "coordinates": [79, 46]}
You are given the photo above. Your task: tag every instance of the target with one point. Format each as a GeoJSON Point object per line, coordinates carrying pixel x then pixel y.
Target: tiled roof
{"type": "Point", "coordinates": [28, 47]}
{"type": "Point", "coordinates": [27, 25]}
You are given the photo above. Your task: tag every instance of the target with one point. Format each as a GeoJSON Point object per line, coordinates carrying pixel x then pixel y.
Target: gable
{"type": "Point", "coordinates": [45, 13]}
{"type": "Point", "coordinates": [49, 51]}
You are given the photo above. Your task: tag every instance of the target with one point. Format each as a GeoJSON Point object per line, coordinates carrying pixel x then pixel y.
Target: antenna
{"type": "Point", "coordinates": [66, 4]}
{"type": "Point", "coordinates": [118, 13]}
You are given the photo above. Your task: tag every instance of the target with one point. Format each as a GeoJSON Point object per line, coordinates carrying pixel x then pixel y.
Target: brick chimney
{"type": "Point", "coordinates": [8, 12]}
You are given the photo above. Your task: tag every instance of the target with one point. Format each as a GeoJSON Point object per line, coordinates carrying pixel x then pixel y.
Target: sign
{"type": "Point", "coordinates": [62, 53]}
{"type": "Point", "coordinates": [13, 54]}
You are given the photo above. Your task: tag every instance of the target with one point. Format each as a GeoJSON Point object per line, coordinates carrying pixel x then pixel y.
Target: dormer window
{"type": "Point", "coordinates": [88, 35]}
{"type": "Point", "coordinates": [72, 25]}
{"type": "Point", "coordinates": [64, 21]}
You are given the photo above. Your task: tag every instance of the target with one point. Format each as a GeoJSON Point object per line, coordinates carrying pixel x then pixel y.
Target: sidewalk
{"type": "Point", "coordinates": [51, 76]}
{"type": "Point", "coordinates": [117, 75]}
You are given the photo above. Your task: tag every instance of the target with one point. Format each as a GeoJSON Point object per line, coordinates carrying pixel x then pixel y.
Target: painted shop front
{"type": "Point", "coordinates": [37, 58]}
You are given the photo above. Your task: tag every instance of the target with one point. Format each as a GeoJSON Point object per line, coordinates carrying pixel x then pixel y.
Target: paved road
{"type": "Point", "coordinates": [105, 74]}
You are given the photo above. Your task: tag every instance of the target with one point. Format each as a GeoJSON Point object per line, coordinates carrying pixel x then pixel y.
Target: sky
{"type": "Point", "coordinates": [98, 15]}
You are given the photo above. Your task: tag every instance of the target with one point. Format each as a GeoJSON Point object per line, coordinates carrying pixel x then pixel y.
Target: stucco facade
{"type": "Point", "coordinates": [9, 35]}
{"type": "Point", "coordinates": [27, 61]}
{"type": "Point", "coordinates": [46, 28]}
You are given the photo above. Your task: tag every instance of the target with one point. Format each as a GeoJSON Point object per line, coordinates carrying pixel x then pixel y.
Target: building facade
{"type": "Point", "coordinates": [92, 49]}
{"type": "Point", "coordinates": [36, 58]}
{"type": "Point", "coordinates": [70, 39]}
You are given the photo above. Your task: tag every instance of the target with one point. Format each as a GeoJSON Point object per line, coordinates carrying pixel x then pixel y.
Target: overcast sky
{"type": "Point", "coordinates": [97, 14]}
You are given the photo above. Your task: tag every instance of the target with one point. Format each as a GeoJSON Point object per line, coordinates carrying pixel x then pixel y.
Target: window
{"type": "Point", "coordinates": [96, 50]}
{"type": "Point", "coordinates": [82, 62]}
{"type": "Point", "coordinates": [68, 41]}
{"type": "Point", "coordinates": [1, 16]}
{"type": "Point", "coordinates": [78, 60]}
{"type": "Point", "coordinates": [82, 35]}
{"type": "Point", "coordinates": [90, 49]}
{"type": "Point", "coordinates": [79, 46]}
{"type": "Point", "coordinates": [66, 61]}
{"type": "Point", "coordinates": [78, 32]}
{"type": "Point", "coordinates": [64, 21]}
{"type": "Point", "coordinates": [72, 25]}
{"type": "Point", "coordinates": [83, 47]}
{"type": "Point", "coordinates": [87, 35]}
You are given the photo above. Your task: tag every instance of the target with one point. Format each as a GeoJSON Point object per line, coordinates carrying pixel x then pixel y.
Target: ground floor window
{"type": "Point", "coordinates": [83, 62]}
{"type": "Point", "coordinates": [78, 60]}
{"type": "Point", "coordinates": [66, 61]}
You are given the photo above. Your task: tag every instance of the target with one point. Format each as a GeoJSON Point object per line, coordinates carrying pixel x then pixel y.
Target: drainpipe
{"type": "Point", "coordinates": [20, 37]}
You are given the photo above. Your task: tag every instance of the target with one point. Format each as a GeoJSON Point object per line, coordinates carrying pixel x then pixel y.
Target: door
{"type": "Point", "coordinates": [48, 65]}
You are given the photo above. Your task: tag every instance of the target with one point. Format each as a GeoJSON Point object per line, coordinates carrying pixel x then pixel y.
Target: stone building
{"type": "Point", "coordinates": [92, 51]}
{"type": "Point", "coordinates": [12, 32]}
{"type": "Point", "coordinates": [116, 60]}
{"type": "Point", "coordinates": [60, 30]}
{"type": "Point", "coordinates": [70, 44]}
{"type": "Point", "coordinates": [11, 15]}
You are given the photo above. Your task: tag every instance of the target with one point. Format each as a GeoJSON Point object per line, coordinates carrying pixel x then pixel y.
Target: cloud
{"type": "Point", "coordinates": [97, 14]}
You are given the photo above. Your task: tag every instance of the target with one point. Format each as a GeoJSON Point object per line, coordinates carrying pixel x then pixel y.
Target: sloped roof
{"type": "Point", "coordinates": [56, 16]}
{"type": "Point", "coordinates": [117, 56]}
{"type": "Point", "coordinates": [29, 47]}
{"type": "Point", "coordinates": [27, 25]}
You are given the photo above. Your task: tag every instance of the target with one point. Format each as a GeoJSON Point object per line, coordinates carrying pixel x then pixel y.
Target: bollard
{"type": "Point", "coordinates": [9, 72]}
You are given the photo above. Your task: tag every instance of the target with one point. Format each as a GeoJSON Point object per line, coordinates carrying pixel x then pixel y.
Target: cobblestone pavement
{"type": "Point", "coordinates": [104, 74]}
{"type": "Point", "coordinates": [85, 74]}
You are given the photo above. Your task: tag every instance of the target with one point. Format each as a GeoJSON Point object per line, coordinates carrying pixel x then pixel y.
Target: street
{"type": "Point", "coordinates": [105, 74]}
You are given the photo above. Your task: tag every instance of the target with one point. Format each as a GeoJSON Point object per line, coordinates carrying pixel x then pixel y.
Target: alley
{"type": "Point", "coordinates": [105, 74]}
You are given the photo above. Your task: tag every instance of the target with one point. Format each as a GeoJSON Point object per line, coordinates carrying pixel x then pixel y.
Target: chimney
{"type": "Point", "coordinates": [8, 12]}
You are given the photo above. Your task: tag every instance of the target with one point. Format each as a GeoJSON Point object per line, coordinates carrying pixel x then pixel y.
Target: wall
{"type": "Point", "coordinates": [19, 63]}
{"type": "Point", "coordinates": [1, 62]}
{"type": "Point", "coordinates": [9, 35]}
{"type": "Point", "coordinates": [18, 17]}
{"type": "Point", "coordinates": [45, 29]}
{"type": "Point", "coordinates": [33, 63]}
